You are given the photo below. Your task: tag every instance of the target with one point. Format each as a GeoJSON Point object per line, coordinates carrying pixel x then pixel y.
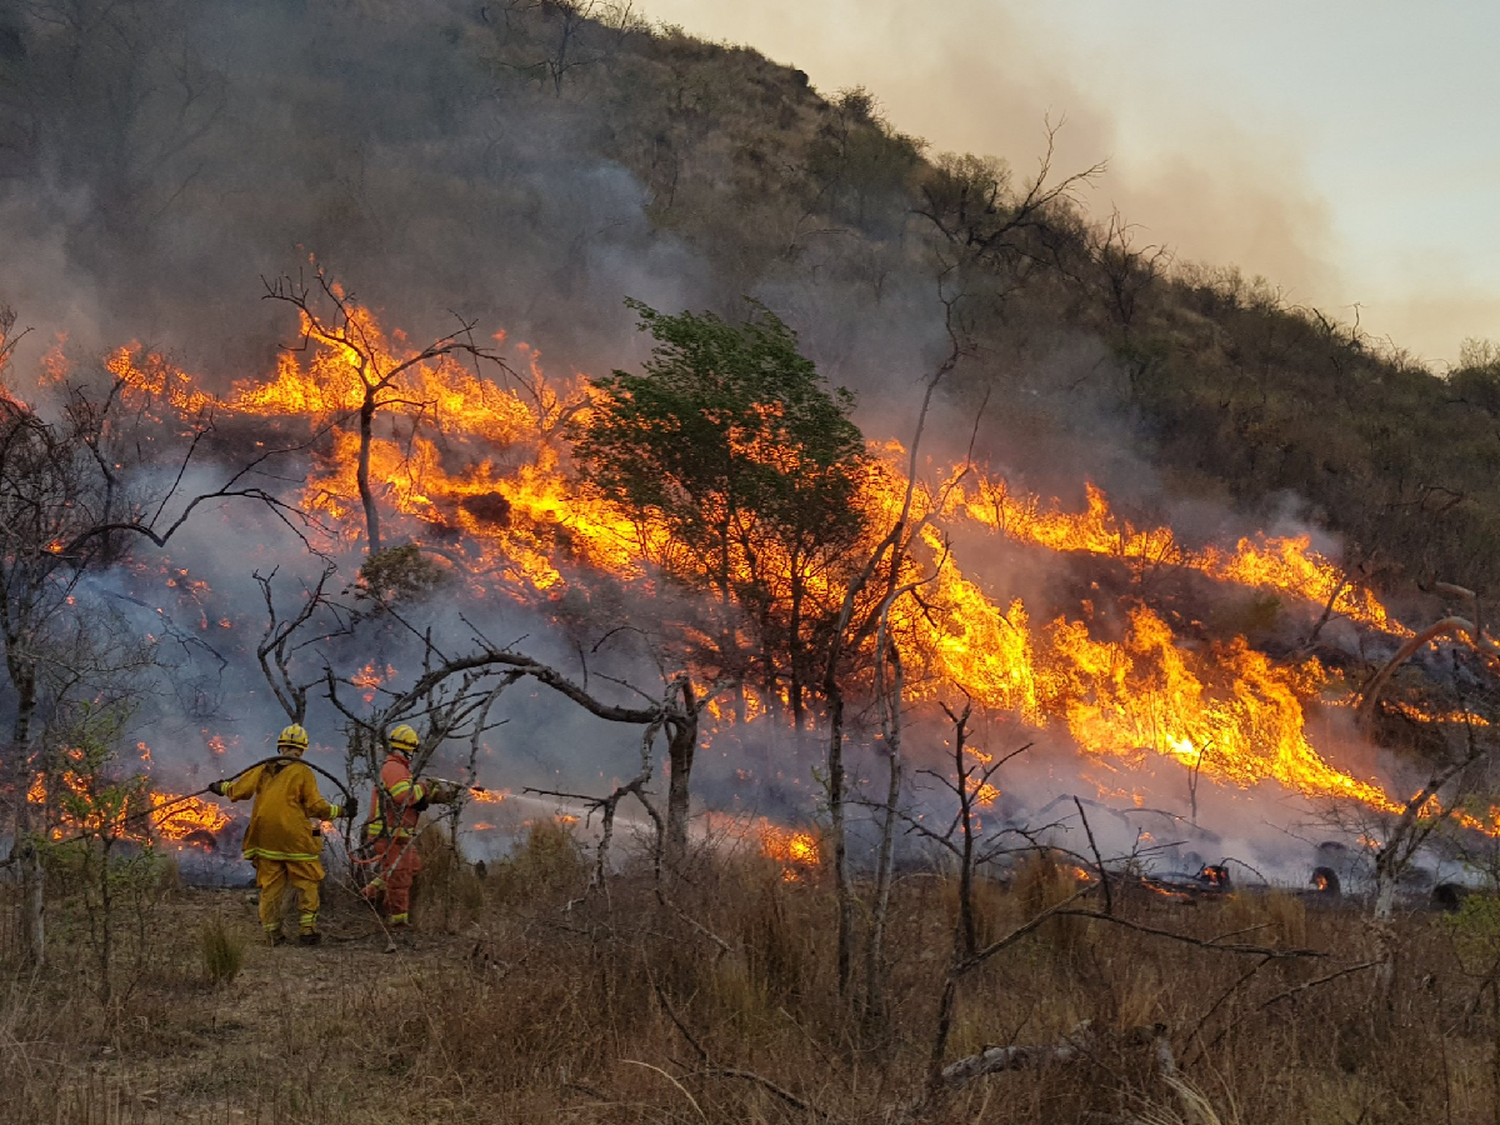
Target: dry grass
{"type": "Point", "coordinates": [627, 1008]}
{"type": "Point", "coordinates": [223, 951]}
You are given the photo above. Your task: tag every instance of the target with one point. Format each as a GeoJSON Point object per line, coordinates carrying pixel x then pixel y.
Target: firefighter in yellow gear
{"type": "Point", "coordinates": [280, 839]}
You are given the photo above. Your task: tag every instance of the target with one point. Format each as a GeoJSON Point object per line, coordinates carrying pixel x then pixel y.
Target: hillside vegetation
{"type": "Point", "coordinates": [558, 171]}
{"type": "Point", "coordinates": [532, 162]}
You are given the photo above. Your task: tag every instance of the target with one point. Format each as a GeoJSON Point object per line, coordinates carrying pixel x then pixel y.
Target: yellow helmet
{"type": "Point", "coordinates": [403, 738]}
{"type": "Point", "coordinates": [293, 737]}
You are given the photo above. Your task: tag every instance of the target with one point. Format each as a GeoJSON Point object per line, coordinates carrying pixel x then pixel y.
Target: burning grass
{"type": "Point", "coordinates": [629, 1007]}
{"type": "Point", "coordinates": [483, 472]}
{"type": "Point", "coordinates": [479, 468]}
{"type": "Point", "coordinates": [530, 998]}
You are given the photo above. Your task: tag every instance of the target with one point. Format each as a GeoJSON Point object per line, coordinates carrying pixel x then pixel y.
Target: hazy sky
{"type": "Point", "coordinates": [1346, 151]}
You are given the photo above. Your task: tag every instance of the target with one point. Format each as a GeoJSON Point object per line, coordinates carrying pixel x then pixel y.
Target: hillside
{"type": "Point", "coordinates": [783, 773]}
{"type": "Point", "coordinates": [530, 167]}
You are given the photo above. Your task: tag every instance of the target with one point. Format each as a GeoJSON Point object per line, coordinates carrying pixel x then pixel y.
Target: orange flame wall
{"type": "Point", "coordinates": [475, 460]}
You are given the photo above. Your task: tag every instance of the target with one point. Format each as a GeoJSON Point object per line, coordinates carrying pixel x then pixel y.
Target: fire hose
{"type": "Point", "coordinates": [342, 788]}
{"type": "Point", "coordinates": [356, 861]}
{"type": "Point", "coordinates": [290, 758]}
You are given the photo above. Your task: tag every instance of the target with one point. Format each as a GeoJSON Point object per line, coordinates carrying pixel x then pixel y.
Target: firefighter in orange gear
{"type": "Point", "coordinates": [280, 840]}
{"type": "Point", "coordinates": [395, 808]}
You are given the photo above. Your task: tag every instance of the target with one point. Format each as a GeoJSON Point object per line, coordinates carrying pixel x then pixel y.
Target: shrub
{"type": "Point", "coordinates": [223, 951]}
{"type": "Point", "coordinates": [447, 892]}
{"type": "Point", "coordinates": [549, 860]}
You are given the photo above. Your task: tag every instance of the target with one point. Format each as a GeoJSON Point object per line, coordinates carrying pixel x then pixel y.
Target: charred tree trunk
{"type": "Point", "coordinates": [967, 936]}
{"type": "Point", "coordinates": [875, 968]}
{"type": "Point", "coordinates": [682, 742]}
{"type": "Point", "coordinates": [106, 920]}
{"type": "Point", "coordinates": [366, 497]}
{"type": "Point", "coordinates": [1494, 987]}
{"type": "Point", "coordinates": [1385, 949]}
{"type": "Point", "coordinates": [1405, 838]}
{"type": "Point", "coordinates": [843, 892]}
{"type": "Point", "coordinates": [833, 692]}
{"type": "Point", "coordinates": [794, 651]}
{"type": "Point", "coordinates": [30, 823]}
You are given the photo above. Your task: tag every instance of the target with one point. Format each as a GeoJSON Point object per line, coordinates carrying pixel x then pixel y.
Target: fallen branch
{"type": "Point", "coordinates": [1471, 632]}
{"type": "Point", "coordinates": [1076, 1044]}
{"type": "Point", "coordinates": [710, 1071]}
{"type": "Point", "coordinates": [1237, 947]}
{"type": "Point", "coordinates": [766, 1084]}
{"type": "Point", "coordinates": [1082, 1043]}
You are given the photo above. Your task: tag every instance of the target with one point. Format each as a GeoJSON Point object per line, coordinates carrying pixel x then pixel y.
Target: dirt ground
{"type": "Point", "coordinates": [287, 1038]}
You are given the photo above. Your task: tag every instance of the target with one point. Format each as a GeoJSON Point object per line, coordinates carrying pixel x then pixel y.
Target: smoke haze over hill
{"type": "Point", "coordinates": [1279, 140]}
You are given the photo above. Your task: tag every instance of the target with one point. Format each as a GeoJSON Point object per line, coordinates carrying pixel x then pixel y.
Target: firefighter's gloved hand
{"type": "Point", "coordinates": [349, 807]}
{"type": "Point", "coordinates": [444, 792]}
{"type": "Point", "coordinates": [217, 787]}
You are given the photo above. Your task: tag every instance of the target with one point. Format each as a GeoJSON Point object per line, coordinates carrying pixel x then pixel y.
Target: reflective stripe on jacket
{"type": "Point", "coordinates": [396, 804]}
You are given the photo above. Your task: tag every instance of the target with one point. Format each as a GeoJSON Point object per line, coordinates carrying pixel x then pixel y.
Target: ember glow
{"type": "Point", "coordinates": [797, 852]}
{"type": "Point", "coordinates": [477, 469]}
{"type": "Point", "coordinates": [77, 809]}
{"type": "Point", "coordinates": [370, 678]}
{"type": "Point", "coordinates": [187, 817]}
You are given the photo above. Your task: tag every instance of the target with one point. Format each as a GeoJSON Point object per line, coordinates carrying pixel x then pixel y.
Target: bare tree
{"type": "Point", "coordinates": [575, 33]}
{"type": "Point", "coordinates": [858, 622]}
{"type": "Point", "coordinates": [68, 498]}
{"type": "Point", "coordinates": [452, 697]}
{"type": "Point", "coordinates": [1441, 795]}
{"type": "Point", "coordinates": [125, 99]}
{"type": "Point", "coordinates": [281, 642]}
{"type": "Point", "coordinates": [971, 203]}
{"type": "Point", "coordinates": [330, 319]}
{"type": "Point", "coordinates": [1125, 272]}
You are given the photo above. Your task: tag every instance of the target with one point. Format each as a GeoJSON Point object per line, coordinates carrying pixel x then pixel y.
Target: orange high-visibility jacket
{"type": "Point", "coordinates": [396, 805]}
{"type": "Point", "coordinates": [286, 796]}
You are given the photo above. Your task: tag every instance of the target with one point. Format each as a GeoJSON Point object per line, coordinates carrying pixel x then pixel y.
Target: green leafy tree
{"type": "Point", "coordinates": [742, 470]}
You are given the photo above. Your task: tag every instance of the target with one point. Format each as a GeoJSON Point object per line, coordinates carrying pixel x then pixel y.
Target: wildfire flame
{"type": "Point", "coordinates": [370, 677]}
{"type": "Point", "coordinates": [187, 816]}
{"type": "Point", "coordinates": [477, 469]}
{"type": "Point", "coordinates": [1286, 565]}
{"type": "Point", "coordinates": [182, 820]}
{"type": "Point", "coordinates": [797, 851]}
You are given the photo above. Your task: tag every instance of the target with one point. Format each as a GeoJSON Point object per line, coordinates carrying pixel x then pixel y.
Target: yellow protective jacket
{"type": "Point", "coordinates": [286, 799]}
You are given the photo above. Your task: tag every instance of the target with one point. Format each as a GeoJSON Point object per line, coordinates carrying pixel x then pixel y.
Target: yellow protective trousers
{"type": "Point", "coordinates": [272, 877]}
